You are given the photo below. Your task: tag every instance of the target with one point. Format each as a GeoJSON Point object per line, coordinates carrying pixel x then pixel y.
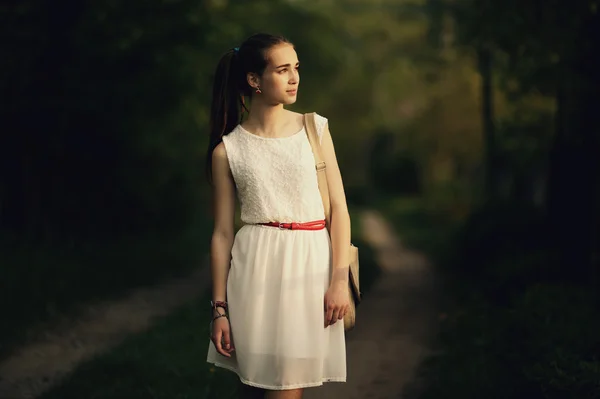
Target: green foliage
{"type": "Point", "coordinates": [501, 250]}
{"type": "Point", "coordinates": [541, 346]}
{"type": "Point", "coordinates": [517, 327]}
{"type": "Point", "coordinates": [391, 173]}
{"type": "Point", "coordinates": [420, 227]}
{"type": "Point", "coordinates": [532, 56]}
{"type": "Point", "coordinates": [498, 231]}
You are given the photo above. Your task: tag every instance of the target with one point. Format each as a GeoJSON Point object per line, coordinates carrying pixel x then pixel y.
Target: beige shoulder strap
{"type": "Point", "coordinates": [313, 138]}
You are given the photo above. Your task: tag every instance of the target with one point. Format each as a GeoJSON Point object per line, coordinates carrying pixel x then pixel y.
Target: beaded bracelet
{"type": "Point", "coordinates": [219, 304]}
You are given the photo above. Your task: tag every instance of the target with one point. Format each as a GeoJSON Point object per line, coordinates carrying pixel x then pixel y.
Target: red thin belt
{"type": "Point", "coordinates": [316, 225]}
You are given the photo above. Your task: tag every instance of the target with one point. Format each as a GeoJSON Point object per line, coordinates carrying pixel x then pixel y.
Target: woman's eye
{"type": "Point", "coordinates": [283, 70]}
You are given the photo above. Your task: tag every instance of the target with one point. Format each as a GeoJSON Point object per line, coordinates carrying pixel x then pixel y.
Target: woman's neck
{"type": "Point", "coordinates": [266, 120]}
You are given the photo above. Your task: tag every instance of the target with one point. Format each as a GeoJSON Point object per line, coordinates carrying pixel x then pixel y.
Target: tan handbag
{"type": "Point", "coordinates": [353, 281]}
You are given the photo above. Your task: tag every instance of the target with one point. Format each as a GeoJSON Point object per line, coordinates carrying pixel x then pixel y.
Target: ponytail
{"type": "Point", "coordinates": [227, 103]}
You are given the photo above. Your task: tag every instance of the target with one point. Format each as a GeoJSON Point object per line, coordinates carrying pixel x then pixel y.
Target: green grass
{"type": "Point", "coordinates": [418, 227]}
{"type": "Point", "coordinates": [168, 361]}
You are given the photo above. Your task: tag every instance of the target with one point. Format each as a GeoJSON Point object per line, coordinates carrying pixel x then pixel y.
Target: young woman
{"type": "Point", "coordinates": [280, 292]}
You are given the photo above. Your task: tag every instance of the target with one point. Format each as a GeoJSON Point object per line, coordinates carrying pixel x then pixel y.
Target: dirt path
{"type": "Point", "coordinates": [34, 368]}
{"type": "Point", "coordinates": [395, 323]}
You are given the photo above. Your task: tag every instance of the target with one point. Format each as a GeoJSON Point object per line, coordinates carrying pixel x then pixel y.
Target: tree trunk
{"type": "Point", "coordinates": [487, 112]}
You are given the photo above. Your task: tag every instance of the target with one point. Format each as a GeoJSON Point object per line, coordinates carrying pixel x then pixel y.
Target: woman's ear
{"type": "Point", "coordinates": [253, 80]}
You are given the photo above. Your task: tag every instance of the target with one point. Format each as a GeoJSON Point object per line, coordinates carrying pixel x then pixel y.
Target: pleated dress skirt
{"type": "Point", "coordinates": [275, 290]}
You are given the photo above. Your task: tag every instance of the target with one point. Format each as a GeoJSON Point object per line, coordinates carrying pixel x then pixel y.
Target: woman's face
{"type": "Point", "coordinates": [279, 82]}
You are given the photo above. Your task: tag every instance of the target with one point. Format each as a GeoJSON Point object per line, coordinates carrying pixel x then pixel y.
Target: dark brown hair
{"type": "Point", "coordinates": [230, 87]}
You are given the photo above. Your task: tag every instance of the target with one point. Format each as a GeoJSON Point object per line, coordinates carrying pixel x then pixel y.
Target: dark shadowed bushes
{"type": "Point", "coordinates": [518, 327]}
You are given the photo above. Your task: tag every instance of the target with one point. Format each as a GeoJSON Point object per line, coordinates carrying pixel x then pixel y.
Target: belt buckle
{"type": "Point", "coordinates": [281, 226]}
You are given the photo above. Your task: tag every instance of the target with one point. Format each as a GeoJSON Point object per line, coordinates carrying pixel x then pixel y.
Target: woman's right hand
{"type": "Point", "coordinates": [221, 336]}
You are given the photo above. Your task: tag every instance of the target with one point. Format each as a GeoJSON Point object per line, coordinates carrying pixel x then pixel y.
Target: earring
{"type": "Point", "coordinates": [258, 90]}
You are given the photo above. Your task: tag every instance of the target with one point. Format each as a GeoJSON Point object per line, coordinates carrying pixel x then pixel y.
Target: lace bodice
{"type": "Point", "coordinates": [275, 177]}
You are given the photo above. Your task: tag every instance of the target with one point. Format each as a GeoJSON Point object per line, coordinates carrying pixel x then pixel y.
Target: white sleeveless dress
{"type": "Point", "coordinates": [278, 278]}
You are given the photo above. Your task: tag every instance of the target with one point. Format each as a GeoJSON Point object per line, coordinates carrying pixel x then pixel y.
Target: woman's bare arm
{"type": "Point", "coordinates": [340, 218]}
{"type": "Point", "coordinates": [224, 213]}
{"type": "Point", "coordinates": [221, 243]}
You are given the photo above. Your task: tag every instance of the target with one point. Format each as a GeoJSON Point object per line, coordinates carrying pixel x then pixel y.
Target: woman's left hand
{"type": "Point", "coordinates": [337, 301]}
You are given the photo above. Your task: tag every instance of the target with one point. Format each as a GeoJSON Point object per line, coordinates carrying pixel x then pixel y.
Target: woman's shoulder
{"type": "Point", "coordinates": [220, 152]}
